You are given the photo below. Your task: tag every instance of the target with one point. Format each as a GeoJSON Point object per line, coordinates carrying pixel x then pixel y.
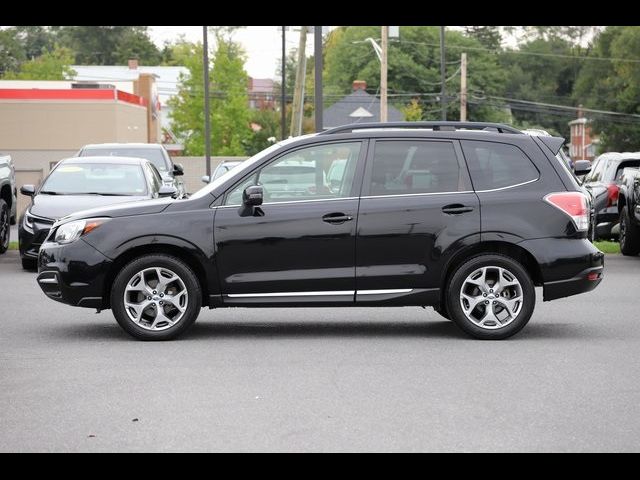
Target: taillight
{"type": "Point", "coordinates": [613, 191]}
{"type": "Point", "coordinates": [573, 204]}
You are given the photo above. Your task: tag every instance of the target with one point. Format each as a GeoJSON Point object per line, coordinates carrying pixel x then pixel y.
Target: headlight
{"type": "Point", "coordinates": [69, 232]}
{"type": "Point", "coordinates": [28, 222]}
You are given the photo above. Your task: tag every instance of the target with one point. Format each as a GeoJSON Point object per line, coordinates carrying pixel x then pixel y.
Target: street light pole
{"type": "Point", "coordinates": [283, 100]}
{"type": "Point", "coordinates": [317, 52]}
{"type": "Point", "coordinates": [207, 119]}
{"type": "Point", "coordinates": [443, 91]}
{"type": "Point", "coordinates": [383, 74]}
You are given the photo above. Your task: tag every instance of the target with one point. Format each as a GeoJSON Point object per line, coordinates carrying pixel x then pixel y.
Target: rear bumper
{"type": "Point", "coordinates": [73, 274]}
{"type": "Point", "coordinates": [606, 219]}
{"type": "Point", "coordinates": [568, 266]}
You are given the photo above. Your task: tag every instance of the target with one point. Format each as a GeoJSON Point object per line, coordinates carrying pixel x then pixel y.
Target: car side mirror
{"type": "Point", "coordinates": [206, 179]}
{"type": "Point", "coordinates": [581, 167]}
{"type": "Point", "coordinates": [167, 191]}
{"type": "Point", "coordinates": [28, 190]}
{"type": "Point", "coordinates": [178, 169]}
{"type": "Point", "coordinates": [253, 196]}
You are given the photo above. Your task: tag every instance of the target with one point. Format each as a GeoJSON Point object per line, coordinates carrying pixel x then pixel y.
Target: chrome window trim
{"type": "Point", "coordinates": [508, 187]}
{"type": "Point", "coordinates": [416, 194]}
{"type": "Point", "coordinates": [293, 201]}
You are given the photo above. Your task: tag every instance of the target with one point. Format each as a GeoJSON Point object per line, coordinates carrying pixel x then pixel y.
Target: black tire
{"type": "Point", "coordinates": [12, 221]}
{"type": "Point", "coordinates": [525, 309]}
{"type": "Point", "coordinates": [629, 237]}
{"type": "Point", "coordinates": [184, 272]}
{"type": "Point", "coordinates": [5, 228]}
{"type": "Point", "coordinates": [29, 264]}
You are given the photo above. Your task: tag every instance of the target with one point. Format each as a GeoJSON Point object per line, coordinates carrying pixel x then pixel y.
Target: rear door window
{"type": "Point", "coordinates": [402, 167]}
{"type": "Point", "coordinates": [497, 165]}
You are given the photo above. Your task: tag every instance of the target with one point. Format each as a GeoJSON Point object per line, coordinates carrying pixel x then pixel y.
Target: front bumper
{"type": "Point", "coordinates": [568, 266]}
{"type": "Point", "coordinates": [73, 274]}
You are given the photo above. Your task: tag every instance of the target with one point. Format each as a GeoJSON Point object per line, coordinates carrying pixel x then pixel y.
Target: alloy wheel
{"type": "Point", "coordinates": [491, 297]}
{"type": "Point", "coordinates": [156, 298]}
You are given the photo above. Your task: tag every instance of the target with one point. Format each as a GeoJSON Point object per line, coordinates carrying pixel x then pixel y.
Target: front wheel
{"type": "Point", "coordinates": [491, 297]}
{"type": "Point", "coordinates": [156, 297]}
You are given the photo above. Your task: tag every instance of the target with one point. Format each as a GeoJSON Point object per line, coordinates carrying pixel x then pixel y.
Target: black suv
{"type": "Point", "coordinates": [465, 217]}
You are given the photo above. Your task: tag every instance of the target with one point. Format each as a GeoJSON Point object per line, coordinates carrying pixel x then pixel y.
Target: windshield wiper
{"type": "Point", "coordinates": [102, 194]}
{"type": "Point", "coordinates": [47, 192]}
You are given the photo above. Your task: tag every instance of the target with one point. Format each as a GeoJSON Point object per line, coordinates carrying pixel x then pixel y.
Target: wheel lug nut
{"type": "Point", "coordinates": [490, 291]}
{"type": "Point", "coordinates": [161, 303]}
{"type": "Point", "coordinates": [162, 294]}
{"type": "Point", "coordinates": [484, 294]}
{"type": "Point", "coordinates": [148, 298]}
{"type": "Point", "coordinates": [154, 292]}
{"type": "Point", "coordinates": [486, 302]}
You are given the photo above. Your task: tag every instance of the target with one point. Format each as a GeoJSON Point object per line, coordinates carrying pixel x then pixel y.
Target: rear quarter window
{"type": "Point", "coordinates": [497, 165]}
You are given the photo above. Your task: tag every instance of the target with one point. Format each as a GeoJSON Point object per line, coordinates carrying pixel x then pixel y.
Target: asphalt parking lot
{"type": "Point", "coordinates": [361, 379]}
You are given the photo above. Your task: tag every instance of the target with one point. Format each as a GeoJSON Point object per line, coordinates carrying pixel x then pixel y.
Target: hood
{"type": "Point", "coordinates": [58, 206]}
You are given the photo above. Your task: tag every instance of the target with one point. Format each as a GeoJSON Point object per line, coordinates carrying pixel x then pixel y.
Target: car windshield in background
{"type": "Point", "coordinates": [95, 179]}
{"type": "Point", "coordinates": [154, 155]}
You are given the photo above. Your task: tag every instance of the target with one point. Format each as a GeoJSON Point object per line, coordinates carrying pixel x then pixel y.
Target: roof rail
{"type": "Point", "coordinates": [442, 125]}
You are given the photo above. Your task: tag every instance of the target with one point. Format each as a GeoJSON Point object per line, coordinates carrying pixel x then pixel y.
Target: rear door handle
{"type": "Point", "coordinates": [456, 209]}
{"type": "Point", "coordinates": [337, 217]}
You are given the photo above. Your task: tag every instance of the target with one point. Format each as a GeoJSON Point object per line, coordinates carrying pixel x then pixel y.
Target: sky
{"type": "Point", "coordinates": [263, 45]}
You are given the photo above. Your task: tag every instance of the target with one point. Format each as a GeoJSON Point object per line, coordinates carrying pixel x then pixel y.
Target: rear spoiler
{"type": "Point", "coordinates": [553, 143]}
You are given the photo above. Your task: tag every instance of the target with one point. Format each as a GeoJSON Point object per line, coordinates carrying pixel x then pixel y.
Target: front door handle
{"type": "Point", "coordinates": [456, 209]}
{"type": "Point", "coordinates": [337, 217]}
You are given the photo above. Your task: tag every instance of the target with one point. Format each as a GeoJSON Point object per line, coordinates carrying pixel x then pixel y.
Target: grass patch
{"type": "Point", "coordinates": [608, 247]}
{"type": "Point", "coordinates": [13, 245]}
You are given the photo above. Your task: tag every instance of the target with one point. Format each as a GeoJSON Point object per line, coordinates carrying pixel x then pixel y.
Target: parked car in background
{"type": "Point", "coordinates": [629, 211]}
{"type": "Point", "coordinates": [81, 183]}
{"type": "Point", "coordinates": [603, 181]}
{"type": "Point", "coordinates": [220, 170]}
{"type": "Point", "coordinates": [8, 203]}
{"type": "Point", "coordinates": [154, 152]}
{"type": "Point", "coordinates": [482, 215]}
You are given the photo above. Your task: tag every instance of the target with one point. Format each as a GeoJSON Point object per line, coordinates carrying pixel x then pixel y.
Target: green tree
{"type": "Point", "coordinates": [52, 65]}
{"type": "Point", "coordinates": [613, 85]}
{"type": "Point", "coordinates": [489, 36]}
{"type": "Point", "coordinates": [229, 101]}
{"type": "Point", "coordinates": [541, 70]}
{"type": "Point", "coordinates": [187, 115]}
{"type": "Point", "coordinates": [12, 52]}
{"type": "Point", "coordinates": [109, 45]}
{"type": "Point", "coordinates": [412, 111]}
{"type": "Point", "coordinates": [414, 69]}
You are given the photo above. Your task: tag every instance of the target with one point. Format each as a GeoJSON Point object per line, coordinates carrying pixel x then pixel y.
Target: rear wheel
{"type": "Point", "coordinates": [5, 229]}
{"type": "Point", "coordinates": [491, 297]}
{"type": "Point", "coordinates": [156, 297]}
{"type": "Point", "coordinates": [629, 237]}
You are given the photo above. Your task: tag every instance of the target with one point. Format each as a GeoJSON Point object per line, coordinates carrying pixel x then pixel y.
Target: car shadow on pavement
{"type": "Point", "coordinates": [251, 330]}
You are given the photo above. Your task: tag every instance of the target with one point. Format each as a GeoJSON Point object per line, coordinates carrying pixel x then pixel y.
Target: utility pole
{"type": "Point", "coordinates": [443, 91]}
{"type": "Point", "coordinates": [317, 53]}
{"type": "Point", "coordinates": [383, 74]}
{"type": "Point", "coordinates": [207, 118]}
{"type": "Point", "coordinates": [283, 99]}
{"type": "Point", "coordinates": [463, 87]}
{"type": "Point", "coordinates": [298, 94]}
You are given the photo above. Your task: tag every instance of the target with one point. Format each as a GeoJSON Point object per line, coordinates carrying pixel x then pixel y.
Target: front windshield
{"type": "Point", "coordinates": [245, 166]}
{"type": "Point", "coordinates": [154, 155]}
{"type": "Point", "coordinates": [95, 179]}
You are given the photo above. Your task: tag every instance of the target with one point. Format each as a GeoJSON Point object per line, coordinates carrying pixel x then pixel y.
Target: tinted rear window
{"type": "Point", "coordinates": [497, 165]}
{"type": "Point", "coordinates": [154, 155]}
{"type": "Point", "coordinates": [410, 167]}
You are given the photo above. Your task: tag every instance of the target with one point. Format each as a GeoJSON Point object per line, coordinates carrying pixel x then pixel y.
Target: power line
{"type": "Point", "coordinates": [519, 52]}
